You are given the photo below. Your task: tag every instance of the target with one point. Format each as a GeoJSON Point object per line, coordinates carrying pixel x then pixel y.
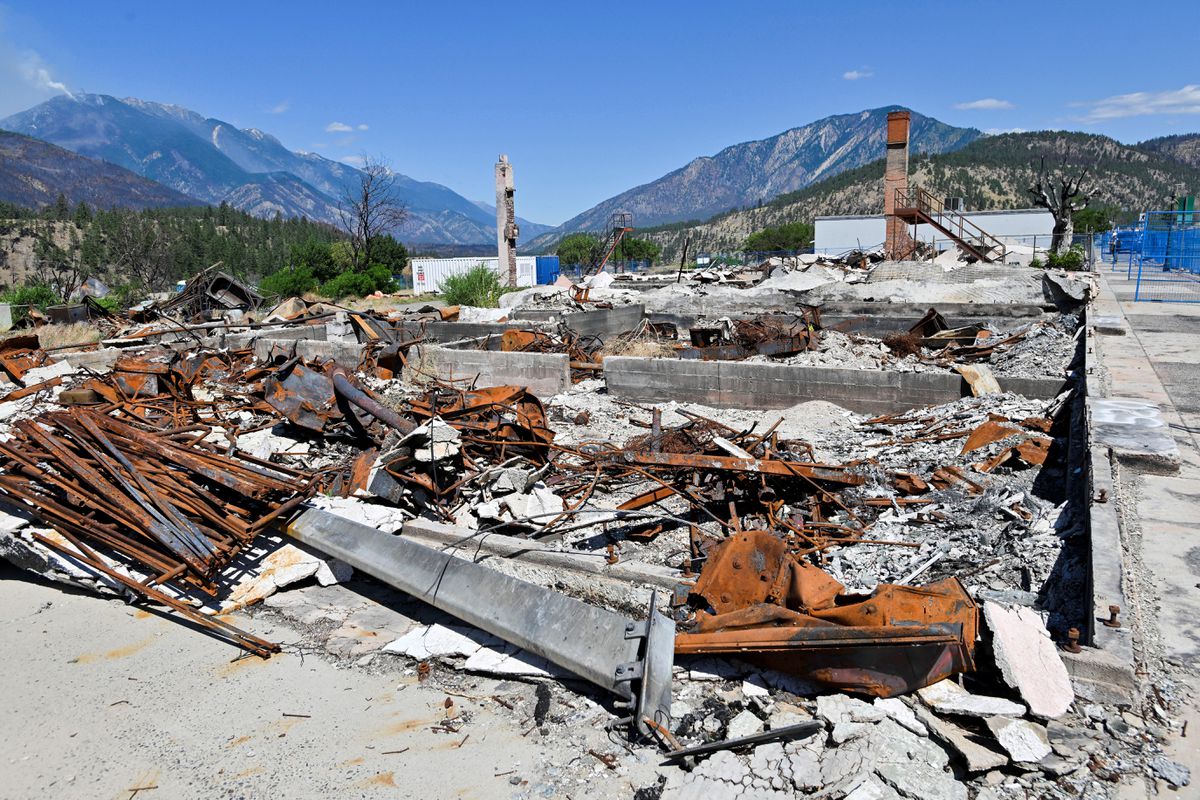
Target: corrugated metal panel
{"type": "Point", "coordinates": [428, 273]}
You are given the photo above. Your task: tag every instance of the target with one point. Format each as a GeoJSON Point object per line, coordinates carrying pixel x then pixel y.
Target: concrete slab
{"type": "Point", "coordinates": [1029, 660]}
{"type": "Point", "coordinates": [1136, 432]}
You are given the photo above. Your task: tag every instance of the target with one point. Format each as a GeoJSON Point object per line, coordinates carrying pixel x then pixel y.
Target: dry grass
{"type": "Point", "coordinates": [638, 348]}
{"type": "Point", "coordinates": [77, 333]}
{"type": "Point", "coordinates": [380, 304]}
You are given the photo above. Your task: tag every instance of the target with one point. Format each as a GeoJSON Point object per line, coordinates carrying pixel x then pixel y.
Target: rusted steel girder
{"type": "Point", "coordinates": [792, 469]}
{"type": "Point", "coordinates": [767, 606]}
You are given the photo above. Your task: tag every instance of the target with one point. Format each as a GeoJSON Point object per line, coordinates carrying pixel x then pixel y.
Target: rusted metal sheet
{"type": "Point", "coordinates": [759, 601]}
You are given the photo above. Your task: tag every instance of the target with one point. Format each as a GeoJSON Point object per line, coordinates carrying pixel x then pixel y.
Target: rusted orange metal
{"type": "Point", "coordinates": [822, 472]}
{"type": "Point", "coordinates": [765, 605]}
{"type": "Point", "coordinates": [988, 432]}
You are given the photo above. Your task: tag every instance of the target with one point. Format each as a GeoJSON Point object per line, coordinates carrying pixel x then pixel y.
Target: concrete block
{"type": "Point", "coordinates": [99, 360]}
{"type": "Point", "coordinates": [544, 374]}
{"type": "Point", "coordinates": [347, 354]}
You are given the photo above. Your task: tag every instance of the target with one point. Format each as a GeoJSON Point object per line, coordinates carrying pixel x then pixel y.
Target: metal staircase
{"type": "Point", "coordinates": [916, 206]}
{"type": "Point", "coordinates": [619, 224]}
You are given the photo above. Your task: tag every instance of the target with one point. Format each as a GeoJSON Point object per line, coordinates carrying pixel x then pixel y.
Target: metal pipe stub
{"type": "Point", "coordinates": [632, 659]}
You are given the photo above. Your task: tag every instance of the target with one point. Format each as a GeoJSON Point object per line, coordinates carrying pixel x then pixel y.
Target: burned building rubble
{"type": "Point", "coordinates": [789, 598]}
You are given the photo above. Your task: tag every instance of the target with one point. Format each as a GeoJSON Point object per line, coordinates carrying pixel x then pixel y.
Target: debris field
{"type": "Point", "coordinates": [802, 602]}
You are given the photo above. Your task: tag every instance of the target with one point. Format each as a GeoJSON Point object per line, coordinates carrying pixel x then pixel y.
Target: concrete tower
{"type": "Point", "coordinates": [506, 219]}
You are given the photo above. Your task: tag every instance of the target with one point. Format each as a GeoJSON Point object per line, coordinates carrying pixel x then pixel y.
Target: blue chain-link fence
{"type": "Point", "coordinates": [1162, 254]}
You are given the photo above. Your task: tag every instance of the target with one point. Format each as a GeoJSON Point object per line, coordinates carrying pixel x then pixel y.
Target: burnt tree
{"type": "Point", "coordinates": [370, 209]}
{"type": "Point", "coordinates": [1060, 192]}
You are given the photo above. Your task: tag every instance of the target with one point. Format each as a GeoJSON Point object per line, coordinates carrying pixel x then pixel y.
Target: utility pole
{"type": "Point", "coordinates": [506, 219]}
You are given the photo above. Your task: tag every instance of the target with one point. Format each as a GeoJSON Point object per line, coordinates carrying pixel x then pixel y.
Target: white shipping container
{"type": "Point", "coordinates": [428, 273]}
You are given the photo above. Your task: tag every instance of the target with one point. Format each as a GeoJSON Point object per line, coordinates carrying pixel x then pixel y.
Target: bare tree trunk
{"type": "Point", "coordinates": [1064, 232]}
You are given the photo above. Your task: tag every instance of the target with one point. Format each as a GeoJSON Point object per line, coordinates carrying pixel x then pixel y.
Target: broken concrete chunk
{"type": "Point", "coordinates": [744, 724]}
{"type": "Point", "coordinates": [873, 789]}
{"type": "Point", "coordinates": [976, 755]}
{"type": "Point", "coordinates": [441, 640]}
{"type": "Point", "coordinates": [508, 660]}
{"type": "Point", "coordinates": [835, 708]}
{"type": "Point", "coordinates": [512, 479]}
{"type": "Point", "coordinates": [899, 711]}
{"type": "Point", "coordinates": [1023, 740]}
{"type": "Point", "coordinates": [845, 731]}
{"type": "Point", "coordinates": [381, 517]}
{"type": "Point", "coordinates": [434, 441]}
{"type": "Point", "coordinates": [1170, 771]}
{"type": "Point", "coordinates": [947, 697]}
{"type": "Point", "coordinates": [270, 441]}
{"type": "Point", "coordinates": [1028, 659]}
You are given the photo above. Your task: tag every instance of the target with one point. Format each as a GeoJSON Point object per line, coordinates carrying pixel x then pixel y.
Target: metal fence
{"type": "Point", "coordinates": [1162, 254]}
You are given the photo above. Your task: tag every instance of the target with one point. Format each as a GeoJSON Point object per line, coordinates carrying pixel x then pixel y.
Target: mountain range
{"type": "Point", "coordinates": [213, 162]}
{"type": "Point", "coordinates": [750, 173]}
{"type": "Point", "coordinates": [992, 172]}
{"type": "Point", "coordinates": [34, 173]}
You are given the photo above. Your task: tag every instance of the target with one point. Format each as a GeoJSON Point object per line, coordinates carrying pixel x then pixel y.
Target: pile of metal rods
{"type": "Point", "coordinates": [160, 504]}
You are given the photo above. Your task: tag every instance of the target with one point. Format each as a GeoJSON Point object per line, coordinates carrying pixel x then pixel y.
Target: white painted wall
{"type": "Point", "coordinates": [428, 273]}
{"type": "Point", "coordinates": [838, 234]}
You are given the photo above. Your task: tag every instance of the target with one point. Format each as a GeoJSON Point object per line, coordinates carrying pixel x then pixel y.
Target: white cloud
{"type": "Point", "coordinates": [280, 108]}
{"type": "Point", "coordinates": [985, 104]}
{"type": "Point", "coordinates": [362, 126]}
{"type": "Point", "coordinates": [1141, 104]}
{"type": "Point", "coordinates": [858, 74]}
{"type": "Point", "coordinates": [353, 161]}
{"type": "Point", "coordinates": [338, 127]}
{"type": "Point", "coordinates": [997, 131]}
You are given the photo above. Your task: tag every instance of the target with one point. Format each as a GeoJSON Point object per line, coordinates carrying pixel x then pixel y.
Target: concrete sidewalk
{"type": "Point", "coordinates": [1158, 360]}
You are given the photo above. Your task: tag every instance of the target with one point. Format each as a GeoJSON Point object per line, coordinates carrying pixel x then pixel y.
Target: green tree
{"type": "Point", "coordinates": [316, 257]}
{"type": "Point", "coordinates": [60, 209]}
{"type": "Point", "coordinates": [578, 248]}
{"type": "Point", "coordinates": [792, 236]}
{"type": "Point", "coordinates": [388, 252]}
{"type": "Point", "coordinates": [83, 214]}
{"type": "Point", "coordinates": [1095, 218]}
{"type": "Point", "coordinates": [637, 250]}
{"type": "Point", "coordinates": [289, 282]}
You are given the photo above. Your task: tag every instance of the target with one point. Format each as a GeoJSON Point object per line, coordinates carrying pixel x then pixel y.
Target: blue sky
{"type": "Point", "coordinates": [590, 99]}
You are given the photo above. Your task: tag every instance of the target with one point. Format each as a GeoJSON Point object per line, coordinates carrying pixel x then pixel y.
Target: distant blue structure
{"type": "Point", "coordinates": [547, 269]}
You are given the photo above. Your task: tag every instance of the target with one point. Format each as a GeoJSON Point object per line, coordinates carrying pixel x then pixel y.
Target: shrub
{"type": "Point", "coordinates": [289, 282]}
{"type": "Point", "coordinates": [1072, 260]}
{"type": "Point", "coordinates": [480, 287]}
{"type": "Point", "coordinates": [376, 278]}
{"type": "Point", "coordinates": [25, 296]}
{"type": "Point", "coordinates": [1037, 263]}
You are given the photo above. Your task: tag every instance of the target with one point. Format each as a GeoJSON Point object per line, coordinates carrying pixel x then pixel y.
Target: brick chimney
{"type": "Point", "coordinates": [895, 177]}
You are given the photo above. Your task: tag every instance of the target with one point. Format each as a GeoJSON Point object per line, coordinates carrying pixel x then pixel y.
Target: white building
{"type": "Point", "coordinates": [1025, 226]}
{"type": "Point", "coordinates": [428, 273]}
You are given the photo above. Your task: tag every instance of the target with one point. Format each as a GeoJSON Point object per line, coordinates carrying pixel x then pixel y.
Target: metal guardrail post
{"type": "Point", "coordinates": [630, 658]}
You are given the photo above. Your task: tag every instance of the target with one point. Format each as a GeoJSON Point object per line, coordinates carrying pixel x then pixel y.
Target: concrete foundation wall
{"type": "Point", "coordinates": [870, 318]}
{"type": "Point", "coordinates": [602, 322]}
{"type": "Point", "coordinates": [545, 374]}
{"type": "Point", "coordinates": [455, 331]}
{"type": "Point", "coordinates": [741, 385]}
